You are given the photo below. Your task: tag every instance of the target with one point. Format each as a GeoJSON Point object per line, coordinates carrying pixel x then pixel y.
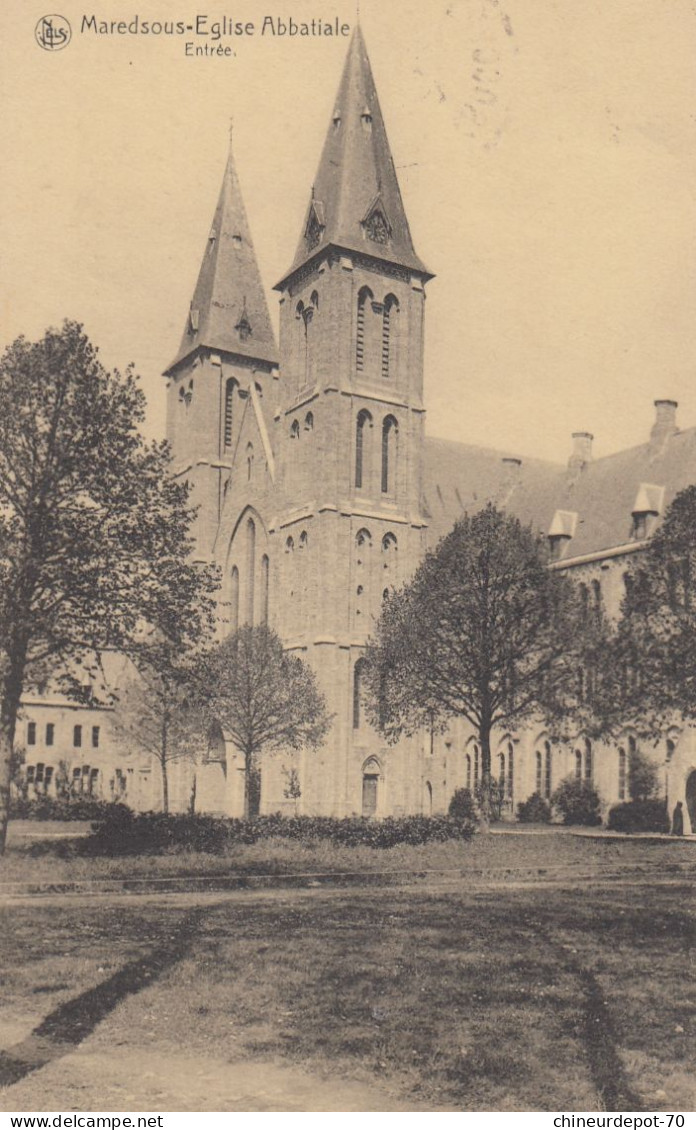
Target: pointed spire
{"type": "Point", "coordinates": [228, 311]}
{"type": "Point", "coordinates": [356, 202]}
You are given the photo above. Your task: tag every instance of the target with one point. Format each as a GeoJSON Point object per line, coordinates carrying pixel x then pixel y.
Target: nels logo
{"type": "Point", "coordinates": [53, 33]}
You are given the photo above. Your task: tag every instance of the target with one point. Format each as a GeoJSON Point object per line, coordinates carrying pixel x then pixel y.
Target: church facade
{"type": "Point", "coordinates": [307, 461]}
{"type": "Point", "coordinates": [318, 491]}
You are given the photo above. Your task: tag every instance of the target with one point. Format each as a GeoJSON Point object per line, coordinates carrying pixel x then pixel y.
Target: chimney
{"type": "Point", "coordinates": [665, 422]}
{"type": "Point", "coordinates": [582, 451]}
{"type": "Point", "coordinates": [511, 477]}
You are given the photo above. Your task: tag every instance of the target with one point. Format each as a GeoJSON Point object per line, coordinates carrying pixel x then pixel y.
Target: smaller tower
{"type": "Point", "coordinates": [227, 346]}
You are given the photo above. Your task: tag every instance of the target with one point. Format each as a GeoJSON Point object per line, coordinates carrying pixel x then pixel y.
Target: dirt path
{"type": "Point", "coordinates": [137, 1079]}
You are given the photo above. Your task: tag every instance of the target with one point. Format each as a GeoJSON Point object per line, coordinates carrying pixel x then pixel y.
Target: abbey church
{"type": "Point", "coordinates": [318, 490]}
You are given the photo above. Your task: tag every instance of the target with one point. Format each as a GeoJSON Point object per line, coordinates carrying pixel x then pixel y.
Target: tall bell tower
{"type": "Point", "coordinates": [227, 353]}
{"type": "Point", "coordinates": [349, 435]}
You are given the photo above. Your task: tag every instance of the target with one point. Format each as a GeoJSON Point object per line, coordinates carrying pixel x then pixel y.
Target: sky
{"type": "Point", "coordinates": [545, 150]}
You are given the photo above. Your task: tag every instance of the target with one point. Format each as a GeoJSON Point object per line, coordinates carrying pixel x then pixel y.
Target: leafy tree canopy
{"type": "Point", "coordinates": [655, 651]}
{"type": "Point", "coordinates": [484, 631]}
{"type": "Point", "coordinates": [94, 543]}
{"type": "Point", "coordinates": [264, 698]}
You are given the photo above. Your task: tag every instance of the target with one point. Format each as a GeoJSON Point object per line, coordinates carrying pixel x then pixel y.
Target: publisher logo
{"type": "Point", "coordinates": [53, 33]}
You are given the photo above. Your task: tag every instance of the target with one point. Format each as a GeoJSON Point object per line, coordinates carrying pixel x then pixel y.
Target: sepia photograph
{"type": "Point", "coordinates": [348, 560]}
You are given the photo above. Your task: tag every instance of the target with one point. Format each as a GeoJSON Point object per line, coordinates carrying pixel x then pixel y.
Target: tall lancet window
{"type": "Point", "coordinates": [234, 598]}
{"type": "Point", "coordinates": [229, 411]}
{"type": "Point", "coordinates": [250, 570]}
{"type": "Point", "coordinates": [364, 304]}
{"type": "Point", "coordinates": [390, 324]}
{"type": "Point", "coordinates": [301, 317]}
{"type": "Point", "coordinates": [390, 432]}
{"type": "Point", "coordinates": [362, 451]}
{"type": "Point", "coordinates": [264, 589]}
{"type": "Point", "coordinates": [310, 317]}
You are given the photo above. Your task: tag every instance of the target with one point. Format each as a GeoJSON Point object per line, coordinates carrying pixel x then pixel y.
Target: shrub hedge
{"type": "Point", "coordinates": [462, 806]}
{"type": "Point", "coordinates": [578, 802]}
{"type": "Point", "coordinates": [122, 832]}
{"type": "Point", "coordinates": [62, 808]}
{"type": "Point", "coordinates": [639, 816]}
{"type": "Point", "coordinates": [534, 810]}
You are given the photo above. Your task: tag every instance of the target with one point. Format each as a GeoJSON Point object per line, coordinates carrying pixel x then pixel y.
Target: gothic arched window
{"type": "Point", "coordinates": [362, 432]}
{"type": "Point", "coordinates": [363, 539]}
{"type": "Point", "coordinates": [250, 461]}
{"type": "Point", "coordinates": [229, 411]}
{"type": "Point", "coordinates": [390, 431]}
{"type": "Point", "coordinates": [538, 772]}
{"type": "Point", "coordinates": [265, 568]}
{"type": "Point", "coordinates": [309, 422]}
{"type": "Point", "coordinates": [250, 568]}
{"type": "Point", "coordinates": [390, 314]}
{"type": "Point", "coordinates": [295, 429]}
{"type": "Point", "coordinates": [389, 549]}
{"type": "Point", "coordinates": [547, 770]}
{"type": "Point", "coordinates": [234, 598]}
{"type": "Point", "coordinates": [364, 300]}
{"type": "Point", "coordinates": [363, 545]}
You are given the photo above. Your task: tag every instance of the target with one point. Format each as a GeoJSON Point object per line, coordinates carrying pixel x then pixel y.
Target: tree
{"type": "Point", "coordinates": [93, 529]}
{"type": "Point", "coordinates": [484, 631]}
{"type": "Point", "coordinates": [642, 776]}
{"type": "Point", "coordinates": [264, 699]}
{"type": "Point", "coordinates": [655, 650]}
{"type": "Point", "coordinates": [158, 711]}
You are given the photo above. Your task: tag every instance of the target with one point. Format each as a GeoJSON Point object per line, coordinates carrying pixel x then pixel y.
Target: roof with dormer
{"type": "Point", "coordinates": [356, 202]}
{"type": "Point", "coordinates": [229, 312]}
{"type": "Point", "coordinates": [591, 505]}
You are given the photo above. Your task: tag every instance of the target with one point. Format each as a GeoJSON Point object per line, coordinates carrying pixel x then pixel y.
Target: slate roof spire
{"type": "Point", "coordinates": [355, 202]}
{"type": "Point", "coordinates": [229, 312]}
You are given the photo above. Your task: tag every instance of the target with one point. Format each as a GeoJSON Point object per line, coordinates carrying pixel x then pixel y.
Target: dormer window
{"type": "Point", "coordinates": [646, 508]}
{"type": "Point", "coordinates": [315, 225]}
{"type": "Point", "coordinates": [377, 228]}
{"type": "Point", "coordinates": [243, 326]}
{"type": "Point", "coordinates": [561, 531]}
{"type": "Point", "coordinates": [366, 119]}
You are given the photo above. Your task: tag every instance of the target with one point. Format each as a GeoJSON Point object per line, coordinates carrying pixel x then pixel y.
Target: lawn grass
{"type": "Point", "coordinates": [54, 861]}
{"type": "Point", "coordinates": [521, 999]}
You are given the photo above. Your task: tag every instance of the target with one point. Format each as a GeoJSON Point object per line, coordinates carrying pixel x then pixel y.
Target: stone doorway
{"type": "Point", "coordinates": [369, 794]}
{"type": "Point", "coordinates": [370, 787]}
